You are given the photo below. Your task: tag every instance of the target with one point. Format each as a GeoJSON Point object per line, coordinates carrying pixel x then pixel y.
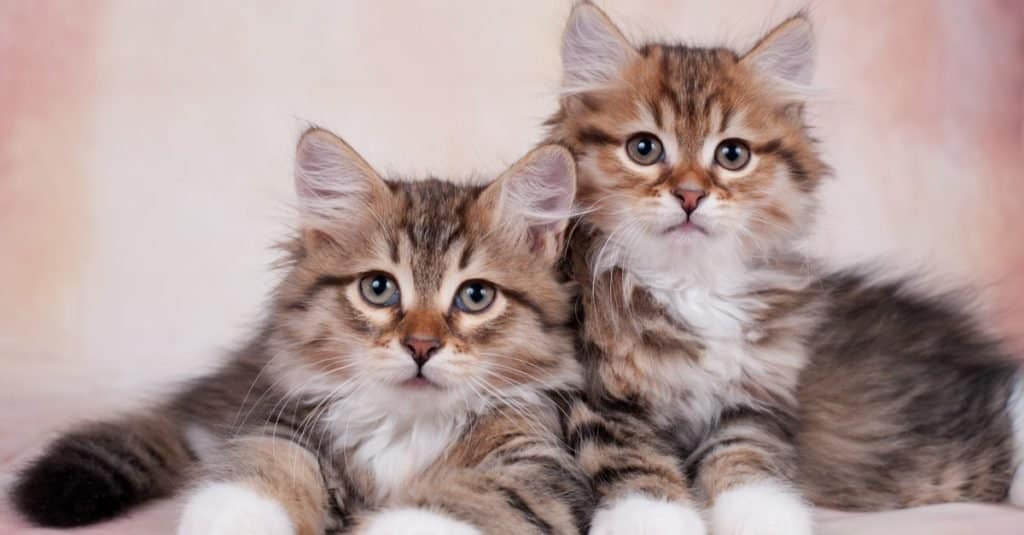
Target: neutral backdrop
{"type": "Point", "coordinates": [146, 146]}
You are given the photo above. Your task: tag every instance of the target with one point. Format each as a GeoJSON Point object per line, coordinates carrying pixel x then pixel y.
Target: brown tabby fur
{"type": "Point", "coordinates": [282, 417]}
{"type": "Point", "coordinates": [865, 395]}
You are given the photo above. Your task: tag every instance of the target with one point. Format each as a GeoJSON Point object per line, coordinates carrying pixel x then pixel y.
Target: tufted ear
{"type": "Point", "coordinates": [534, 198]}
{"type": "Point", "coordinates": [335, 186]}
{"type": "Point", "coordinates": [786, 53]}
{"type": "Point", "coordinates": [594, 51]}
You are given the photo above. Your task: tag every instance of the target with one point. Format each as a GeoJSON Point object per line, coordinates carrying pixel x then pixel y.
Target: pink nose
{"type": "Point", "coordinates": [689, 198]}
{"type": "Point", "coordinates": [421, 349]}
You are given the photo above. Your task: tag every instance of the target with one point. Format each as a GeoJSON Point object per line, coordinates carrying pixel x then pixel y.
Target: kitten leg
{"type": "Point", "coordinates": [640, 487]}
{"type": "Point", "coordinates": [745, 470]}
{"type": "Point", "coordinates": [503, 476]}
{"type": "Point", "coordinates": [258, 486]}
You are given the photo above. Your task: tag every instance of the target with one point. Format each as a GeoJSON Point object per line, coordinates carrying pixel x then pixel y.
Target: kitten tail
{"type": "Point", "coordinates": [102, 470]}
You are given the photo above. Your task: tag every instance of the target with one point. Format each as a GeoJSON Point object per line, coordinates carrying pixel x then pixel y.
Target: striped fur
{"type": "Point", "coordinates": [710, 338]}
{"type": "Point", "coordinates": [102, 469]}
{"type": "Point", "coordinates": [325, 422]}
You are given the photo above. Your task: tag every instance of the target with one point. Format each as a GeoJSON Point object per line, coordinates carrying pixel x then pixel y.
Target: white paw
{"type": "Point", "coordinates": [415, 522]}
{"type": "Point", "coordinates": [232, 509]}
{"type": "Point", "coordinates": [641, 515]}
{"type": "Point", "coordinates": [762, 508]}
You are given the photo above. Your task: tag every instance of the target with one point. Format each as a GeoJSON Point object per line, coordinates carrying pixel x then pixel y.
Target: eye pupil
{"type": "Point", "coordinates": [644, 146]}
{"type": "Point", "coordinates": [379, 285]}
{"type": "Point", "coordinates": [476, 293]}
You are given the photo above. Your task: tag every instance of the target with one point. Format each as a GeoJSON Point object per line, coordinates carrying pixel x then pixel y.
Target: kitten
{"type": "Point", "coordinates": [761, 375]}
{"type": "Point", "coordinates": [408, 379]}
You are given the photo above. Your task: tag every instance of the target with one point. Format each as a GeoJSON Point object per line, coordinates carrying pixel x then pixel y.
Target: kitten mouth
{"type": "Point", "coordinates": [687, 227]}
{"type": "Point", "coordinates": [419, 382]}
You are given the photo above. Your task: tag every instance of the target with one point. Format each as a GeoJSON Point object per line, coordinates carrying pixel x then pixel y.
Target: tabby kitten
{"type": "Point", "coordinates": [408, 378]}
{"type": "Point", "coordinates": [758, 376]}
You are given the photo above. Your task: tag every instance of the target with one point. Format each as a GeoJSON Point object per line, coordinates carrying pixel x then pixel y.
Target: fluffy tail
{"type": "Point", "coordinates": [102, 470]}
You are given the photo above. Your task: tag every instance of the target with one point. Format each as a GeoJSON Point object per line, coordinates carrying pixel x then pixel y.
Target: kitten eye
{"type": "Point", "coordinates": [644, 149]}
{"type": "Point", "coordinates": [379, 289]}
{"type": "Point", "coordinates": [732, 154]}
{"type": "Point", "coordinates": [475, 296]}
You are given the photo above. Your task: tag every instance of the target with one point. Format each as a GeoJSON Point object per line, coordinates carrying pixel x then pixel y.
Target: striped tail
{"type": "Point", "coordinates": [102, 470]}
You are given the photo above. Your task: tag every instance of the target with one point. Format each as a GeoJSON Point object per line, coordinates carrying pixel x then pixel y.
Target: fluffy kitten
{"type": "Point", "coordinates": [408, 379]}
{"type": "Point", "coordinates": [760, 376]}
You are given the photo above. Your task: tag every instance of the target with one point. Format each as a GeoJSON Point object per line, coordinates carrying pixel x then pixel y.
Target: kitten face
{"type": "Point", "coordinates": [426, 296]}
{"type": "Point", "coordinates": [688, 152]}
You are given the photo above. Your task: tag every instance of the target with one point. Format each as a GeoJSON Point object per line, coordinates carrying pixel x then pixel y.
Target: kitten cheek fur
{"type": "Point", "coordinates": [730, 352]}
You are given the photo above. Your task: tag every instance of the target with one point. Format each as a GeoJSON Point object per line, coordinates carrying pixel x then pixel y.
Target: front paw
{"type": "Point", "coordinates": [640, 515]}
{"type": "Point", "coordinates": [762, 508]}
{"type": "Point", "coordinates": [232, 509]}
{"type": "Point", "coordinates": [414, 522]}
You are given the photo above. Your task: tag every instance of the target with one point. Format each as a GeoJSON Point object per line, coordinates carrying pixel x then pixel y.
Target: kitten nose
{"type": "Point", "coordinates": [421, 348]}
{"type": "Point", "coordinates": [689, 198]}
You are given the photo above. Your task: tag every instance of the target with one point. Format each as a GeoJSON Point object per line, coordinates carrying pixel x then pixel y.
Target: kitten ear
{"type": "Point", "coordinates": [787, 52]}
{"type": "Point", "coordinates": [335, 186]}
{"type": "Point", "coordinates": [534, 198]}
{"type": "Point", "coordinates": [594, 51]}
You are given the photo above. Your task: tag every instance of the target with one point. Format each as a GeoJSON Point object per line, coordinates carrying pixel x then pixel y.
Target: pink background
{"type": "Point", "coordinates": [145, 153]}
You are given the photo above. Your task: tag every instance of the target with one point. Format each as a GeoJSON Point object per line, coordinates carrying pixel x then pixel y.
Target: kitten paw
{"type": "Point", "coordinates": [231, 509]}
{"type": "Point", "coordinates": [762, 508]}
{"type": "Point", "coordinates": [415, 522]}
{"type": "Point", "coordinates": [640, 515]}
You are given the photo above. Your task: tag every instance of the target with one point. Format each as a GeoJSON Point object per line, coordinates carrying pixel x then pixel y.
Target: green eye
{"type": "Point", "coordinates": [732, 154]}
{"type": "Point", "coordinates": [645, 149]}
{"type": "Point", "coordinates": [475, 296]}
{"type": "Point", "coordinates": [379, 289]}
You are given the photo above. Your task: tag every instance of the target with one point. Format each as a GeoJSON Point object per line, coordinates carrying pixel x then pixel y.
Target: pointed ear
{"type": "Point", "coordinates": [594, 51]}
{"type": "Point", "coordinates": [786, 53]}
{"type": "Point", "coordinates": [335, 186]}
{"type": "Point", "coordinates": [534, 198]}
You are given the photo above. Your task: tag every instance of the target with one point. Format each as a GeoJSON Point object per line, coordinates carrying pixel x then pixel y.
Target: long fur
{"type": "Point", "coordinates": [761, 372]}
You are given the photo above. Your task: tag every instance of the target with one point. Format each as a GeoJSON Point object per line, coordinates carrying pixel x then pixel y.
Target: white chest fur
{"type": "Point", "coordinates": [393, 450]}
{"type": "Point", "coordinates": [732, 360]}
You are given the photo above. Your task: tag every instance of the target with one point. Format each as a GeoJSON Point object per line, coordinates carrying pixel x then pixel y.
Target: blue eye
{"type": "Point", "coordinates": [475, 296]}
{"type": "Point", "coordinates": [379, 289]}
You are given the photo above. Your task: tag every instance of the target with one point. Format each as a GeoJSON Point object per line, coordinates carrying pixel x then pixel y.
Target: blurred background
{"type": "Point", "coordinates": [146, 151]}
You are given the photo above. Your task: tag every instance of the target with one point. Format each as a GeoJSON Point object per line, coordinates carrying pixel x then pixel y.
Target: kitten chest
{"type": "Point", "coordinates": [737, 364]}
{"type": "Point", "coordinates": [395, 452]}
